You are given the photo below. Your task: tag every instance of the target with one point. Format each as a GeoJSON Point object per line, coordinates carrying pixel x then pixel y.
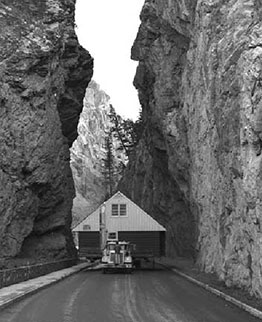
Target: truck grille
{"type": "Point", "coordinates": [121, 258]}
{"type": "Point", "coordinates": [116, 258]}
{"type": "Point", "coordinates": [112, 257]}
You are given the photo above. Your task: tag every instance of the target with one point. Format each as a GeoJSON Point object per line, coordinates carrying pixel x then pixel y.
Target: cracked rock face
{"type": "Point", "coordinates": [88, 151]}
{"type": "Point", "coordinates": [157, 176]}
{"type": "Point", "coordinates": [199, 82]}
{"type": "Point", "coordinates": [44, 73]}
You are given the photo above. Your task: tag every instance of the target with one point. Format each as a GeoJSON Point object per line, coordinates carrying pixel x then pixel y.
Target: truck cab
{"type": "Point", "coordinates": [117, 256]}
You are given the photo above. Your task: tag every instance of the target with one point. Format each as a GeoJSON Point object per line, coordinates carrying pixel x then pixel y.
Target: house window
{"type": "Point", "coordinates": [114, 210]}
{"type": "Point", "coordinates": [112, 236]}
{"type": "Point", "coordinates": [122, 209]}
{"type": "Point", "coordinates": [119, 209]}
{"type": "Point", "coordinates": [86, 227]}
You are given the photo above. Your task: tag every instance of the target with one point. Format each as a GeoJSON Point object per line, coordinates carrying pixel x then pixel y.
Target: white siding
{"type": "Point", "coordinates": [92, 220]}
{"type": "Point", "coordinates": [136, 219]}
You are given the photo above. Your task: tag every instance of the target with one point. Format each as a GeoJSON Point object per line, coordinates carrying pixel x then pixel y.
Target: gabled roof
{"type": "Point", "coordinates": [137, 219]}
{"type": "Point", "coordinates": [117, 193]}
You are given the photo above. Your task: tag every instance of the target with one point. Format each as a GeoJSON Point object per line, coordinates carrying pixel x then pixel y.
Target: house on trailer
{"type": "Point", "coordinates": [119, 218]}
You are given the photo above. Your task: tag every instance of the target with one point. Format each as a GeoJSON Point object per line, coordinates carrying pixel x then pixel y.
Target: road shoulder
{"type": "Point", "coordinates": [15, 292]}
{"type": "Point", "coordinates": [186, 269]}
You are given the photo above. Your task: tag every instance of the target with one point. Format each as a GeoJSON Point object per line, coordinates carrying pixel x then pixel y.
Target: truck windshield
{"type": "Point", "coordinates": [111, 246]}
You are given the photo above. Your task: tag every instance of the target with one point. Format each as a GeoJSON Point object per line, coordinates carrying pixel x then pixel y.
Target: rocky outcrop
{"type": "Point", "coordinates": [199, 82]}
{"type": "Point", "coordinates": [88, 152]}
{"type": "Point", "coordinates": [44, 73]}
{"type": "Point", "coordinates": [157, 178]}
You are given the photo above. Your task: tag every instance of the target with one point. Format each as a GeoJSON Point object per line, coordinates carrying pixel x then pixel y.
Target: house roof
{"type": "Point", "coordinates": [136, 220]}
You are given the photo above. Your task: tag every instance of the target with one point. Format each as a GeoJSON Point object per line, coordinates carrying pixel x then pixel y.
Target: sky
{"type": "Point", "coordinates": [107, 29]}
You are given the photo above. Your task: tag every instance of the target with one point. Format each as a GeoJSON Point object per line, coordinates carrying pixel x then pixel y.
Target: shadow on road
{"type": "Point", "coordinates": [143, 266]}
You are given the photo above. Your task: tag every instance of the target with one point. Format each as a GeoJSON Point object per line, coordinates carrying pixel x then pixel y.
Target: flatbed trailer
{"type": "Point", "coordinates": [90, 253]}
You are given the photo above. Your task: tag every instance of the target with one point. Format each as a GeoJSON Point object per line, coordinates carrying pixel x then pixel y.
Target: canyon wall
{"type": "Point", "coordinates": [44, 73]}
{"type": "Point", "coordinates": [198, 166]}
{"type": "Point", "coordinates": [158, 175]}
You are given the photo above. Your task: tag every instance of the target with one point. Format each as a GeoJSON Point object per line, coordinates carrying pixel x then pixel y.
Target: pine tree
{"type": "Point", "coordinates": [109, 164]}
{"type": "Point", "coordinates": [117, 128]}
{"type": "Point", "coordinates": [138, 128]}
{"type": "Point", "coordinates": [127, 131]}
{"type": "Point", "coordinates": [120, 141]}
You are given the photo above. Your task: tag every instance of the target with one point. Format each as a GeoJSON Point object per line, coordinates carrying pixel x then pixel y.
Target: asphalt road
{"type": "Point", "coordinates": [144, 296]}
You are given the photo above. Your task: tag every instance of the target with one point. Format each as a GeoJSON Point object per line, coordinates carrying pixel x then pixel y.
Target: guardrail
{"type": "Point", "coordinates": [24, 273]}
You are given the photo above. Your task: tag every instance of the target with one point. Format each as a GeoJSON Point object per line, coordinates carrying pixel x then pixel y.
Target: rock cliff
{"type": "Point", "coordinates": [89, 152]}
{"type": "Point", "coordinates": [44, 72]}
{"type": "Point", "coordinates": [198, 167]}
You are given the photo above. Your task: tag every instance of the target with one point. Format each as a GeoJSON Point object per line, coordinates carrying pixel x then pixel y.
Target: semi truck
{"type": "Point", "coordinates": [117, 257]}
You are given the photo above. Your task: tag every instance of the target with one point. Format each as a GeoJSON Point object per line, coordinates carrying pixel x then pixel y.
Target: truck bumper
{"type": "Point", "coordinates": [123, 268]}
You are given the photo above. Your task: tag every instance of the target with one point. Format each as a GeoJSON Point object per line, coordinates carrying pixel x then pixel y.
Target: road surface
{"type": "Point", "coordinates": [144, 296]}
